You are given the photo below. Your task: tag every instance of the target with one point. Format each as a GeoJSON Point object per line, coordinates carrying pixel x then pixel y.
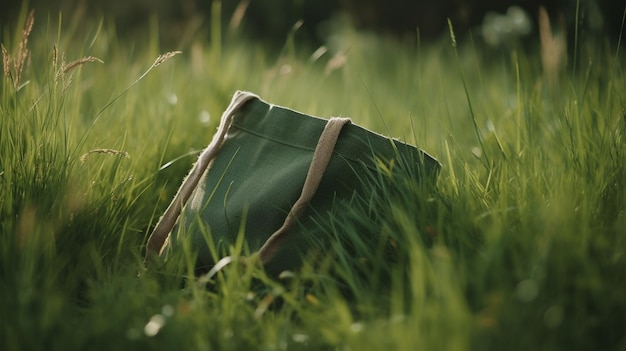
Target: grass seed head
{"type": "Point", "coordinates": [164, 57]}
{"type": "Point", "coordinates": [55, 57]}
{"type": "Point", "coordinates": [452, 34]}
{"type": "Point", "coordinates": [72, 65]}
{"type": "Point", "coordinates": [23, 51]}
{"type": "Point", "coordinates": [6, 61]}
{"type": "Point", "coordinates": [84, 157]}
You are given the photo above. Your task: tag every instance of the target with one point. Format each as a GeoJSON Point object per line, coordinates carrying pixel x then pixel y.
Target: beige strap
{"type": "Point", "coordinates": [166, 223]}
{"type": "Point", "coordinates": [321, 158]}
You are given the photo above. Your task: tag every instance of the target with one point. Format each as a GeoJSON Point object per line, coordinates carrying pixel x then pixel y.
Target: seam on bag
{"type": "Point", "coordinates": [343, 156]}
{"type": "Point", "coordinates": [263, 136]}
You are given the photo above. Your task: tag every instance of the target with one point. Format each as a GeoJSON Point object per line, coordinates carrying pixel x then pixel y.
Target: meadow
{"type": "Point", "coordinates": [520, 246]}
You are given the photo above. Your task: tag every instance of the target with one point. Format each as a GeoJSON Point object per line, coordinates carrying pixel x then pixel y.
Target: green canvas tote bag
{"type": "Point", "coordinates": [267, 170]}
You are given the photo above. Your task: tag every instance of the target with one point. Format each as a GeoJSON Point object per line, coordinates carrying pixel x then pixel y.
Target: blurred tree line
{"type": "Point", "coordinates": [270, 21]}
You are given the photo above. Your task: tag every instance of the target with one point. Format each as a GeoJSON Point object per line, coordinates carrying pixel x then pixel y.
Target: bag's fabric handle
{"type": "Point", "coordinates": [163, 228]}
{"type": "Point", "coordinates": [321, 158]}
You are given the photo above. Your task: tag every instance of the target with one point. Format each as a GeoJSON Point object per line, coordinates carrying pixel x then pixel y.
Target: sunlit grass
{"type": "Point", "coordinates": [520, 246]}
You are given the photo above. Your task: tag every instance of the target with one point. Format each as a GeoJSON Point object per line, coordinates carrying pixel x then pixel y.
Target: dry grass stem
{"type": "Point", "coordinates": [553, 48]}
{"type": "Point", "coordinates": [336, 62]}
{"type": "Point", "coordinates": [159, 60]}
{"type": "Point", "coordinates": [238, 15]}
{"type": "Point", "coordinates": [84, 157]}
{"type": "Point", "coordinates": [59, 73]}
{"type": "Point", "coordinates": [55, 57]}
{"type": "Point", "coordinates": [62, 62]}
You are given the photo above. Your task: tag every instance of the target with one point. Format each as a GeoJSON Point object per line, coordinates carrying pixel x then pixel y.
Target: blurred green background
{"type": "Point", "coordinates": [270, 21]}
{"type": "Point", "coordinates": [524, 236]}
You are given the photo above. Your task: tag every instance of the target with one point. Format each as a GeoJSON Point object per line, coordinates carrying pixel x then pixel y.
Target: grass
{"type": "Point", "coordinates": [521, 246]}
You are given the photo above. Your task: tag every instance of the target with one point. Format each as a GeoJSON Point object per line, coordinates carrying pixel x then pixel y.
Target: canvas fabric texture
{"type": "Point", "coordinates": [263, 160]}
